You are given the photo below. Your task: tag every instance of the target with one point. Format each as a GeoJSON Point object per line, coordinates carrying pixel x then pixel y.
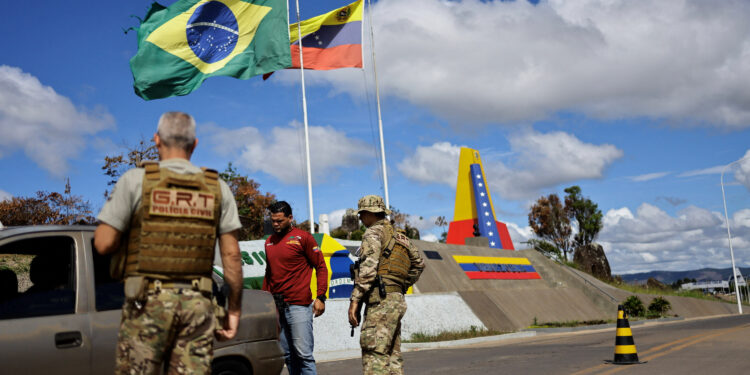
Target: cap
{"type": "Point", "coordinates": [372, 203]}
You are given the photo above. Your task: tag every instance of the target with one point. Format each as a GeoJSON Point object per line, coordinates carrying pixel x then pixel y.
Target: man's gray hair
{"type": "Point", "coordinates": [177, 130]}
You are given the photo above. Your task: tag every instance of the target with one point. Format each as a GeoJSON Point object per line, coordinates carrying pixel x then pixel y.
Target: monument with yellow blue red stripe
{"type": "Point", "coordinates": [474, 214]}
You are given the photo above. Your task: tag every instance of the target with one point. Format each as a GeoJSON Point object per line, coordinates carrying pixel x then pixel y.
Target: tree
{"type": "Point", "coordinates": [357, 234]}
{"type": "Point", "coordinates": [587, 214]}
{"type": "Point", "coordinates": [634, 306]}
{"type": "Point", "coordinates": [46, 208]}
{"type": "Point", "coordinates": [550, 221]}
{"type": "Point", "coordinates": [401, 220]}
{"type": "Point", "coordinates": [441, 222]}
{"type": "Point", "coordinates": [659, 306]}
{"type": "Point", "coordinates": [678, 283]}
{"type": "Point", "coordinates": [251, 202]}
{"type": "Point", "coordinates": [115, 166]}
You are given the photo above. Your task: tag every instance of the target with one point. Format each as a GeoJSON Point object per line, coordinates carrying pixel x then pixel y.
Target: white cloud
{"type": "Point", "coordinates": [4, 195]}
{"type": "Point", "coordinates": [429, 237]}
{"type": "Point", "coordinates": [44, 124]}
{"type": "Point", "coordinates": [649, 258]}
{"type": "Point", "coordinates": [613, 216]}
{"type": "Point", "coordinates": [654, 240]}
{"type": "Point", "coordinates": [740, 168]}
{"type": "Point", "coordinates": [436, 163]}
{"type": "Point", "coordinates": [541, 160]}
{"type": "Point", "coordinates": [421, 223]}
{"type": "Point", "coordinates": [701, 172]}
{"type": "Point", "coordinates": [335, 218]}
{"type": "Point", "coordinates": [281, 153]}
{"type": "Point", "coordinates": [510, 61]}
{"type": "Point", "coordinates": [742, 171]}
{"type": "Point", "coordinates": [519, 235]}
{"type": "Point", "coordinates": [649, 176]}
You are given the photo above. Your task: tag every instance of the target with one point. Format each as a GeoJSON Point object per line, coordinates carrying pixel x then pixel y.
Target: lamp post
{"type": "Point", "coordinates": [729, 234]}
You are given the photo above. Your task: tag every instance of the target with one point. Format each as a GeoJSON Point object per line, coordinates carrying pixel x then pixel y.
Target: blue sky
{"type": "Point", "coordinates": [638, 102]}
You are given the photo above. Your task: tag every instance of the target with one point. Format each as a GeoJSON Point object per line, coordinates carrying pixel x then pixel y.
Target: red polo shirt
{"type": "Point", "coordinates": [290, 261]}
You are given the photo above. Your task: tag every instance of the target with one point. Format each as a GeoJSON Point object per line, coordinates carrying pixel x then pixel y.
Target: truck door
{"type": "Point", "coordinates": [105, 317]}
{"type": "Point", "coordinates": [41, 329]}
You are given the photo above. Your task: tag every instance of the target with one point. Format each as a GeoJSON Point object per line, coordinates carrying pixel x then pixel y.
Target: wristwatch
{"type": "Point", "coordinates": [322, 298]}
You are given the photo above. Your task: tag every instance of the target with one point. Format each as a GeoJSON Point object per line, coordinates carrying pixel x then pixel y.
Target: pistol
{"type": "Point", "coordinates": [381, 287]}
{"type": "Point", "coordinates": [352, 333]}
{"type": "Point", "coordinates": [280, 302]}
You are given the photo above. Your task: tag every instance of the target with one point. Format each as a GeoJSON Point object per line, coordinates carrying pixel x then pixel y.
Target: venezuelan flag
{"type": "Point", "coordinates": [330, 41]}
{"type": "Point", "coordinates": [502, 268]}
{"type": "Point", "coordinates": [181, 45]}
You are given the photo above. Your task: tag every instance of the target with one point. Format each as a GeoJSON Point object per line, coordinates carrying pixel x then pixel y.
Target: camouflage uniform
{"type": "Point", "coordinates": [174, 324]}
{"type": "Point", "coordinates": [381, 330]}
{"type": "Point", "coordinates": [183, 317]}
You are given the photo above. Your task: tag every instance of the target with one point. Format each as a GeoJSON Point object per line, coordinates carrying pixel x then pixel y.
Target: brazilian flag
{"type": "Point", "coordinates": [181, 45]}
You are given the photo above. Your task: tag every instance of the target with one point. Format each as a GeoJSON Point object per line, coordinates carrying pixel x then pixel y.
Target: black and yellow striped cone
{"type": "Point", "coordinates": [625, 353]}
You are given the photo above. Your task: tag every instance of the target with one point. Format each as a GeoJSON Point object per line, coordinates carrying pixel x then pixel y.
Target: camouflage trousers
{"type": "Point", "coordinates": [172, 331]}
{"type": "Point", "coordinates": [381, 336]}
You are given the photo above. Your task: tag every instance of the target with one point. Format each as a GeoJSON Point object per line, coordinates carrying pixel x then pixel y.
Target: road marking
{"type": "Point", "coordinates": [683, 343]}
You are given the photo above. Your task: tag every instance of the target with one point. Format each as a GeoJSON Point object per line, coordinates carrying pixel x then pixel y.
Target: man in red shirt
{"type": "Point", "coordinates": [291, 255]}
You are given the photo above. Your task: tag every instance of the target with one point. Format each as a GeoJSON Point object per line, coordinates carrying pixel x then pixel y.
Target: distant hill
{"type": "Point", "coordinates": [668, 277]}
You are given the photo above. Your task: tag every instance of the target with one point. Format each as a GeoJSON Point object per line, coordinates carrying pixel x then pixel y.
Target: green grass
{"type": "Point", "coordinates": [17, 263]}
{"type": "Point", "coordinates": [666, 292]}
{"type": "Point", "coordinates": [453, 335]}
{"type": "Point", "coordinates": [570, 323]}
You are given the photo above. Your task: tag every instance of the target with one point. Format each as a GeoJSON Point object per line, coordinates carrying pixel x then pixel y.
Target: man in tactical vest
{"type": "Point", "coordinates": [169, 216]}
{"type": "Point", "coordinates": [388, 265]}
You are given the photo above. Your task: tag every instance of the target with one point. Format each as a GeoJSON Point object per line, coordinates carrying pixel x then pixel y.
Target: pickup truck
{"type": "Point", "coordinates": [60, 310]}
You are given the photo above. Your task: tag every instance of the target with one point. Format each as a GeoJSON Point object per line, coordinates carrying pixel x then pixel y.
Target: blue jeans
{"type": "Point", "coordinates": [297, 328]}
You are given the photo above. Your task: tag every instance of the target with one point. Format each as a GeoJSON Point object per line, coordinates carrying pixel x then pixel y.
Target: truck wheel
{"type": "Point", "coordinates": [230, 367]}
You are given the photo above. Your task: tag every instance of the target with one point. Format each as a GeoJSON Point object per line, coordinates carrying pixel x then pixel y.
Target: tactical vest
{"type": "Point", "coordinates": [173, 233]}
{"type": "Point", "coordinates": [393, 265]}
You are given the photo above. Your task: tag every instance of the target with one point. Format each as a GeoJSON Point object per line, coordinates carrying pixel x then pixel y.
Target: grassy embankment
{"type": "Point", "coordinates": [456, 335]}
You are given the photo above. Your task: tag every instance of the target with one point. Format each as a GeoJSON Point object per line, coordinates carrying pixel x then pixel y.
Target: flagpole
{"type": "Point", "coordinates": [304, 115]}
{"type": "Point", "coordinates": [377, 97]}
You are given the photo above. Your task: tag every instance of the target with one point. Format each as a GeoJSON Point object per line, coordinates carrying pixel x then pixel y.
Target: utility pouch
{"type": "Point", "coordinates": [204, 285]}
{"type": "Point", "coordinates": [354, 271]}
{"type": "Point", "coordinates": [381, 287]}
{"type": "Point", "coordinates": [280, 303]}
{"type": "Point", "coordinates": [371, 297]}
{"type": "Point", "coordinates": [135, 288]}
{"type": "Point", "coordinates": [117, 264]}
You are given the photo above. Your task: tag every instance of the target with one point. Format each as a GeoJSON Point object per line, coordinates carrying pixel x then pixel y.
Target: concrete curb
{"type": "Point", "coordinates": [599, 326]}
{"type": "Point", "coordinates": [463, 342]}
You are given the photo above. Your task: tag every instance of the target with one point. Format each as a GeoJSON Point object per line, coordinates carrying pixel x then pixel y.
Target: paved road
{"type": "Point", "coordinates": [713, 346]}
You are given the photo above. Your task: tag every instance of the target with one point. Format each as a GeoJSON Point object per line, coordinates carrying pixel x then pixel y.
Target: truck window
{"type": "Point", "coordinates": [109, 293]}
{"type": "Point", "coordinates": [37, 277]}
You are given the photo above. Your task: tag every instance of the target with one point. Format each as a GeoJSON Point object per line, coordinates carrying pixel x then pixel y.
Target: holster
{"type": "Point", "coordinates": [383, 290]}
{"type": "Point", "coordinates": [354, 271]}
{"type": "Point", "coordinates": [280, 302]}
{"type": "Point", "coordinates": [136, 288]}
{"type": "Point", "coordinates": [371, 297]}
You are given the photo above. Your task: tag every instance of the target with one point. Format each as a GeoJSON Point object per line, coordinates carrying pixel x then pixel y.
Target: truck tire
{"type": "Point", "coordinates": [230, 367]}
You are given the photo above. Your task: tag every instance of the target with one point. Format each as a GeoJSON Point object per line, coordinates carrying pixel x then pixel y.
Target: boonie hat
{"type": "Point", "coordinates": [372, 203]}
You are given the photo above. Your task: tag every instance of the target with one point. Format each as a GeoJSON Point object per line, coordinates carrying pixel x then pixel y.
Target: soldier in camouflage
{"type": "Point", "coordinates": [388, 265]}
{"type": "Point", "coordinates": [168, 218]}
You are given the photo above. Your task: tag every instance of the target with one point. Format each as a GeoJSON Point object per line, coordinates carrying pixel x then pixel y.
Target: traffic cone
{"type": "Point", "coordinates": [625, 353]}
